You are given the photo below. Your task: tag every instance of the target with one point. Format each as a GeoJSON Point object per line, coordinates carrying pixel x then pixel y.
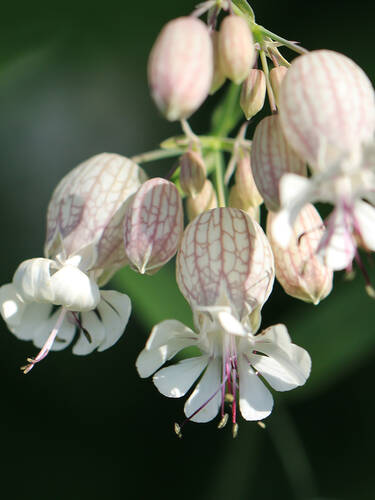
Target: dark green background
{"type": "Point", "coordinates": [73, 84]}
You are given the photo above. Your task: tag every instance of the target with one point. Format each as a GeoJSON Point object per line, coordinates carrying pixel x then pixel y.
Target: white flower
{"type": "Point", "coordinates": [225, 271]}
{"type": "Point", "coordinates": [352, 217]}
{"type": "Point", "coordinates": [83, 249]}
{"type": "Point", "coordinates": [232, 361]}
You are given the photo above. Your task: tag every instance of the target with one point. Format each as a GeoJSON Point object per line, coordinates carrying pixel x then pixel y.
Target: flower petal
{"type": "Point", "coordinates": [174, 381]}
{"type": "Point", "coordinates": [256, 401]}
{"type": "Point", "coordinates": [64, 336]}
{"type": "Point", "coordinates": [168, 330]}
{"type": "Point", "coordinates": [33, 318]}
{"type": "Point", "coordinates": [12, 306]}
{"type": "Point", "coordinates": [74, 290]}
{"type": "Point", "coordinates": [337, 246]}
{"type": "Point", "coordinates": [230, 324]}
{"type": "Point", "coordinates": [295, 192]}
{"type": "Point", "coordinates": [114, 309]}
{"type": "Point", "coordinates": [206, 397]}
{"type": "Point", "coordinates": [364, 216]}
{"type": "Point", "coordinates": [33, 280]}
{"type": "Point", "coordinates": [149, 361]}
{"type": "Point", "coordinates": [95, 329]}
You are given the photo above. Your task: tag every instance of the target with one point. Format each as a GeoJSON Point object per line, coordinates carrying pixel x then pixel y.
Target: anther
{"type": "Point", "coordinates": [235, 430]}
{"type": "Point", "coordinates": [177, 430]}
{"type": "Point", "coordinates": [370, 291]}
{"type": "Point", "coordinates": [223, 421]}
{"type": "Point", "coordinates": [261, 424]}
{"type": "Point", "coordinates": [229, 398]}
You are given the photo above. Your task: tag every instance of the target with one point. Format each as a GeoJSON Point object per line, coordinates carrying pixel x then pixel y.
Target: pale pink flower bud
{"type": "Point", "coordinates": [225, 260]}
{"type": "Point", "coordinates": [85, 214]}
{"type": "Point", "coordinates": [253, 93]}
{"type": "Point", "coordinates": [153, 225]}
{"type": "Point", "coordinates": [277, 75]}
{"type": "Point", "coordinates": [245, 183]}
{"type": "Point", "coordinates": [236, 201]}
{"type": "Point", "coordinates": [236, 48]}
{"type": "Point", "coordinates": [271, 158]}
{"type": "Point", "coordinates": [180, 67]}
{"type": "Point", "coordinates": [192, 173]}
{"type": "Point", "coordinates": [205, 200]}
{"type": "Point", "coordinates": [218, 77]}
{"type": "Point", "coordinates": [327, 107]}
{"type": "Point", "coordinates": [299, 270]}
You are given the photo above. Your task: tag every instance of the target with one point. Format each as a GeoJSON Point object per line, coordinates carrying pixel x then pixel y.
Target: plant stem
{"type": "Point", "coordinates": [271, 97]}
{"type": "Point", "coordinates": [291, 45]}
{"type": "Point", "coordinates": [219, 179]}
{"type": "Point", "coordinates": [156, 154]}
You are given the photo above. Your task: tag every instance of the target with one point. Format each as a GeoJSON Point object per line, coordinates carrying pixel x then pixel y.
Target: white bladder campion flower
{"type": "Point", "coordinates": [83, 248]}
{"type": "Point", "coordinates": [224, 275]}
{"type": "Point", "coordinates": [352, 217]}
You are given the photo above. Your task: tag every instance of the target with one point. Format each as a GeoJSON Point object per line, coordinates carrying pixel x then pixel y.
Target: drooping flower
{"type": "Point", "coordinates": [351, 217]}
{"type": "Point", "coordinates": [225, 271]}
{"type": "Point", "coordinates": [83, 249]}
{"type": "Point", "coordinates": [327, 107]}
{"type": "Point", "coordinates": [301, 272]}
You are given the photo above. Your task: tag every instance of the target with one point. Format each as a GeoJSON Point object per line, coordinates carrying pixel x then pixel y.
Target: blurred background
{"type": "Point", "coordinates": [73, 84]}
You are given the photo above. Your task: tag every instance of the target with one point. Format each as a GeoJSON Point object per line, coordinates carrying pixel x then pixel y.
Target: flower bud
{"type": "Point", "coordinates": [277, 75]}
{"type": "Point", "coordinates": [245, 183]}
{"type": "Point", "coordinates": [236, 201]}
{"type": "Point", "coordinates": [85, 213]}
{"type": "Point", "coordinates": [253, 93]}
{"type": "Point", "coordinates": [192, 173]}
{"type": "Point", "coordinates": [327, 107]}
{"type": "Point", "coordinates": [205, 200]}
{"type": "Point", "coordinates": [225, 260]}
{"type": "Point", "coordinates": [218, 77]}
{"type": "Point", "coordinates": [271, 158]}
{"type": "Point", "coordinates": [299, 270]}
{"type": "Point", "coordinates": [180, 67]}
{"type": "Point", "coordinates": [153, 225]}
{"type": "Point", "coordinates": [236, 48]}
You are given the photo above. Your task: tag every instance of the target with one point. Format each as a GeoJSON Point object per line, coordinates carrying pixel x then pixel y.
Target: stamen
{"type": "Point", "coordinates": [47, 345]}
{"type": "Point", "coordinates": [223, 421]}
{"type": "Point", "coordinates": [177, 430]}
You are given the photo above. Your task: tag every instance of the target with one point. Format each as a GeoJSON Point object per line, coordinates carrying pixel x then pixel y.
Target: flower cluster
{"type": "Point", "coordinates": [317, 145]}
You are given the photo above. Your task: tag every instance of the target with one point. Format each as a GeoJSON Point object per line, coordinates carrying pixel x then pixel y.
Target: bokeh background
{"type": "Point", "coordinates": [73, 84]}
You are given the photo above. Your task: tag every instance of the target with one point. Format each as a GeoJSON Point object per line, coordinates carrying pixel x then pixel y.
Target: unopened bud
{"type": "Point", "coordinates": [236, 201]}
{"type": "Point", "coordinates": [327, 107]}
{"type": "Point", "coordinates": [253, 93]}
{"type": "Point", "coordinates": [277, 75]}
{"type": "Point", "coordinates": [299, 270]}
{"type": "Point", "coordinates": [205, 200]}
{"type": "Point", "coordinates": [153, 225]}
{"type": "Point", "coordinates": [180, 67]}
{"type": "Point", "coordinates": [271, 158]}
{"type": "Point", "coordinates": [192, 173]}
{"type": "Point", "coordinates": [236, 48]}
{"type": "Point", "coordinates": [245, 181]}
{"type": "Point", "coordinates": [218, 77]}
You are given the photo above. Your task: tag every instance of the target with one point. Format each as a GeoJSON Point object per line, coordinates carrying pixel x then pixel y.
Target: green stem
{"type": "Point", "coordinates": [157, 154]}
{"type": "Point", "coordinates": [208, 142]}
{"type": "Point", "coordinates": [271, 97]}
{"type": "Point", "coordinates": [219, 179]}
{"type": "Point", "coordinates": [291, 45]}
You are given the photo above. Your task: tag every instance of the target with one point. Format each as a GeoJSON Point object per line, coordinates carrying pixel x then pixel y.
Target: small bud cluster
{"type": "Point", "coordinates": [316, 145]}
